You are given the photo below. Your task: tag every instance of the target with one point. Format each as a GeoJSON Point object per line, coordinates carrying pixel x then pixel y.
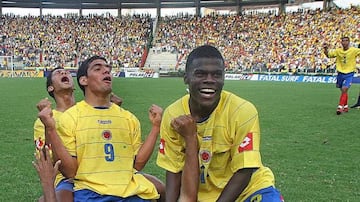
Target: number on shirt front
{"type": "Point", "coordinates": [109, 151]}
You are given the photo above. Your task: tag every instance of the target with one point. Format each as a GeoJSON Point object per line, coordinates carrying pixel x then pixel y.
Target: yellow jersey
{"type": "Point", "coordinates": [229, 140]}
{"type": "Point", "coordinates": [39, 138]}
{"type": "Point", "coordinates": [105, 142]}
{"type": "Point", "coordinates": [345, 60]}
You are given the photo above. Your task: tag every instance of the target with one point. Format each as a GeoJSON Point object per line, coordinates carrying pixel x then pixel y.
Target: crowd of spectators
{"type": "Point", "coordinates": [51, 41]}
{"type": "Point", "coordinates": [270, 42]}
{"type": "Point", "coordinates": [251, 42]}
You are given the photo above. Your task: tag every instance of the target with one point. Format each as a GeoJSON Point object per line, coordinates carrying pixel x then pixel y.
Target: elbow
{"type": "Point", "coordinates": [69, 171]}
{"type": "Point", "coordinates": [139, 165]}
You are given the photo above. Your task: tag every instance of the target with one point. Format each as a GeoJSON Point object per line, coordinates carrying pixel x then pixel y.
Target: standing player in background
{"type": "Point", "coordinates": [345, 66]}
{"type": "Point", "coordinates": [228, 135]}
{"type": "Point", "coordinates": [114, 134]}
{"type": "Point", "coordinates": [357, 104]}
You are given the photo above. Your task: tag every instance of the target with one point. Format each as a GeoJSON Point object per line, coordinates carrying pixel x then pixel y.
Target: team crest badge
{"type": "Point", "coordinates": [106, 135]}
{"type": "Point", "coordinates": [205, 156]}
{"type": "Point", "coordinates": [247, 143]}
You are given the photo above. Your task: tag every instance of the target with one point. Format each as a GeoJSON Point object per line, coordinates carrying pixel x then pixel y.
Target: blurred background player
{"type": "Point", "coordinates": [345, 66]}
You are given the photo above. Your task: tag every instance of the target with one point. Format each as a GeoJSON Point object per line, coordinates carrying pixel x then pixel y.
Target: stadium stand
{"type": "Point", "coordinates": [253, 42]}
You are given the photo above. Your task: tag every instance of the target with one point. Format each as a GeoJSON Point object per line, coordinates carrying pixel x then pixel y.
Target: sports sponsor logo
{"type": "Point", "coordinates": [21, 73]}
{"type": "Point", "coordinates": [139, 74]}
{"type": "Point", "coordinates": [247, 143]}
{"type": "Point", "coordinates": [104, 121]}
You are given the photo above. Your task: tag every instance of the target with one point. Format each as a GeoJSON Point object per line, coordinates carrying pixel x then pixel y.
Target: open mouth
{"type": "Point", "coordinates": [207, 92]}
{"type": "Point", "coordinates": [108, 78]}
{"type": "Point", "coordinates": [65, 79]}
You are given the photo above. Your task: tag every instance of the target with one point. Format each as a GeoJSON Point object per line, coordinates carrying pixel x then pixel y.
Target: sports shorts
{"type": "Point", "coordinates": [90, 196]}
{"type": "Point", "coordinates": [65, 184]}
{"type": "Point", "coordinates": [269, 194]}
{"type": "Point", "coordinates": [344, 79]}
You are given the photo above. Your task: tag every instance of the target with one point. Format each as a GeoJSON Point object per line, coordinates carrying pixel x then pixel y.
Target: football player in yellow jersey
{"type": "Point", "coordinates": [345, 66]}
{"type": "Point", "coordinates": [228, 135]}
{"type": "Point", "coordinates": [103, 141]}
{"type": "Point", "coordinates": [60, 86]}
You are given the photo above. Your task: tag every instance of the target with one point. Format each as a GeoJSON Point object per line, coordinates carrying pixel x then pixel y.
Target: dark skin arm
{"type": "Point", "coordinates": [326, 49]}
{"type": "Point", "coordinates": [69, 165]}
{"type": "Point", "coordinates": [236, 185]}
{"type": "Point", "coordinates": [145, 151]}
{"type": "Point", "coordinates": [173, 184]}
{"type": "Point", "coordinates": [185, 125]}
{"type": "Point", "coordinates": [47, 173]}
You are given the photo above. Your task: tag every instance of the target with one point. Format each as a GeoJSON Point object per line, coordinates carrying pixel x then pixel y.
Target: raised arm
{"type": "Point", "coordinates": [326, 49]}
{"type": "Point", "coordinates": [186, 126]}
{"type": "Point", "coordinates": [147, 148]}
{"type": "Point", "coordinates": [69, 165]}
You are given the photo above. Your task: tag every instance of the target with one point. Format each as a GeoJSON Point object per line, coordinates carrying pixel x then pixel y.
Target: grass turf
{"type": "Point", "coordinates": [312, 151]}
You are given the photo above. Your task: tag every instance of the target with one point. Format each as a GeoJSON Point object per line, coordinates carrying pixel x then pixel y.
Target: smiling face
{"type": "Point", "coordinates": [205, 79]}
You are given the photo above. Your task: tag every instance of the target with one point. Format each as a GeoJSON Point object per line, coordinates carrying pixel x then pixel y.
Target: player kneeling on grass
{"type": "Point", "coordinates": [103, 130]}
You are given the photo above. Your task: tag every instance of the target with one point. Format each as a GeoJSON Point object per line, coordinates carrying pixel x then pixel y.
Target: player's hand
{"type": "Point", "coordinates": [155, 115]}
{"type": "Point", "coordinates": [116, 99]}
{"type": "Point", "coordinates": [185, 125]}
{"type": "Point", "coordinates": [44, 167]}
{"type": "Point", "coordinates": [46, 117]}
{"type": "Point", "coordinates": [43, 103]}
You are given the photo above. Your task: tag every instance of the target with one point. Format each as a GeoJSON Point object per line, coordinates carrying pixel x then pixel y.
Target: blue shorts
{"type": "Point", "coordinates": [65, 184]}
{"type": "Point", "coordinates": [344, 80]}
{"type": "Point", "coordinates": [269, 194]}
{"type": "Point", "coordinates": [90, 196]}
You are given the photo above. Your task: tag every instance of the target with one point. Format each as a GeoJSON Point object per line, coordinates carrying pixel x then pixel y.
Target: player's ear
{"type": "Point", "coordinates": [83, 81]}
{"type": "Point", "coordinates": [186, 79]}
{"type": "Point", "coordinates": [50, 89]}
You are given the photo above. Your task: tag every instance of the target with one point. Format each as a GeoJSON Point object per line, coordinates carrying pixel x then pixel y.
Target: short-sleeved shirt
{"type": "Point", "coordinates": [229, 140]}
{"type": "Point", "coordinates": [345, 60]}
{"type": "Point", "coordinates": [105, 142]}
{"type": "Point", "coordinates": [39, 139]}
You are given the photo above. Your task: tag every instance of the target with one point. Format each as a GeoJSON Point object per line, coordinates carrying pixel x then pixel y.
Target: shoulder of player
{"type": "Point", "coordinates": [233, 103]}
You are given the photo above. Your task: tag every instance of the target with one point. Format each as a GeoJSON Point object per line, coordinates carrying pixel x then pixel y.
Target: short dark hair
{"type": "Point", "coordinates": [204, 51]}
{"type": "Point", "coordinates": [49, 81]}
{"type": "Point", "coordinates": [82, 71]}
{"type": "Point", "coordinates": [345, 37]}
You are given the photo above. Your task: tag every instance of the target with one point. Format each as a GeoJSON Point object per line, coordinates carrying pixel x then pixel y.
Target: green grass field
{"type": "Point", "coordinates": [313, 153]}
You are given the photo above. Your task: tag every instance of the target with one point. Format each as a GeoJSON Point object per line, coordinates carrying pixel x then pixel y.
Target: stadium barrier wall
{"type": "Point", "coordinates": [139, 74]}
{"type": "Point", "coordinates": [21, 73]}
{"type": "Point", "coordinates": [285, 78]}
